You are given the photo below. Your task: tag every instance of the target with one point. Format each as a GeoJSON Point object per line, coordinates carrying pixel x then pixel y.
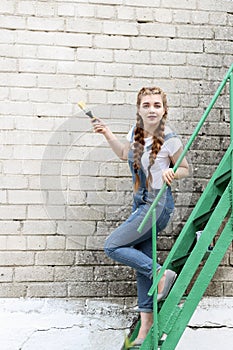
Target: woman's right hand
{"type": "Point", "coordinates": [99, 126]}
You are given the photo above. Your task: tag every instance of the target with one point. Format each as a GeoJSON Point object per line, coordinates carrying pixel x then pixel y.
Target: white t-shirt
{"type": "Point", "coordinates": [162, 161]}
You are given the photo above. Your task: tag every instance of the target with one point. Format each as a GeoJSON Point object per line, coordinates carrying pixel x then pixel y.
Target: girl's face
{"type": "Point", "coordinates": [151, 110]}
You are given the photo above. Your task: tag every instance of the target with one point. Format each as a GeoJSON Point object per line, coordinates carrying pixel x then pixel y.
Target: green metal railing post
{"type": "Point", "coordinates": [155, 305]}
{"type": "Point", "coordinates": [186, 148]}
{"type": "Point", "coordinates": [231, 130]}
{"type": "Point", "coordinates": [231, 105]}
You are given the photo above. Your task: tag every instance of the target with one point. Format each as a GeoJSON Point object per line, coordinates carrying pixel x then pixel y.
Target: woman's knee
{"type": "Point", "coordinates": [108, 249]}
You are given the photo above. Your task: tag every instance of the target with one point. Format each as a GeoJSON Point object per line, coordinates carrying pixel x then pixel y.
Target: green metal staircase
{"type": "Point", "coordinates": [195, 261]}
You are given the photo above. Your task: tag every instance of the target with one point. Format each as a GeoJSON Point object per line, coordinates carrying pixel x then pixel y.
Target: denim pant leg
{"type": "Point", "coordinates": [145, 302]}
{"type": "Point", "coordinates": [126, 245]}
{"type": "Point", "coordinates": [120, 244]}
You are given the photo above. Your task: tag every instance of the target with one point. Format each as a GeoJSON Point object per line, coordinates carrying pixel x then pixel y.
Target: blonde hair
{"type": "Point", "coordinates": [157, 139]}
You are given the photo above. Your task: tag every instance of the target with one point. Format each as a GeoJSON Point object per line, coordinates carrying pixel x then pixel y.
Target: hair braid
{"type": "Point", "coordinates": [157, 142]}
{"type": "Point", "coordinates": [139, 143]}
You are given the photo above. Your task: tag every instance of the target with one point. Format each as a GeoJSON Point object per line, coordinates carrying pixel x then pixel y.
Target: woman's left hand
{"type": "Point", "coordinates": [168, 176]}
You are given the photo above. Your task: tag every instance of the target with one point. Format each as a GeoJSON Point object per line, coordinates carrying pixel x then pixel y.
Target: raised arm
{"type": "Point", "coordinates": [119, 148]}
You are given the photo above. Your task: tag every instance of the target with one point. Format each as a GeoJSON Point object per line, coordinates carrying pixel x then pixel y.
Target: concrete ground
{"type": "Point", "coordinates": [49, 324]}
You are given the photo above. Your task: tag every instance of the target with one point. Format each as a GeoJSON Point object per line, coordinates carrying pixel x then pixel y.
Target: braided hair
{"type": "Point", "coordinates": [157, 139]}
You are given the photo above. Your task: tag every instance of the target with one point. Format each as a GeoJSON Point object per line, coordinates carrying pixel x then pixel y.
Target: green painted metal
{"type": "Point", "coordinates": [189, 143]}
{"type": "Point", "coordinates": [231, 130]}
{"type": "Point", "coordinates": [155, 304]}
{"type": "Point", "coordinates": [191, 259]}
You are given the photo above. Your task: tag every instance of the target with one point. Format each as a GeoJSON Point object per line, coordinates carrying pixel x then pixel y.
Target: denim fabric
{"type": "Point", "coordinates": [129, 247]}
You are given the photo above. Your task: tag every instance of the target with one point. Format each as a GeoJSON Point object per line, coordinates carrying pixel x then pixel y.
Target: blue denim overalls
{"type": "Point", "coordinates": [129, 247]}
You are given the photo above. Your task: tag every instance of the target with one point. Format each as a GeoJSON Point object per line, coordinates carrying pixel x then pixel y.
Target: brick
{"type": "Point", "coordinates": [20, 80]}
{"type": "Point", "coordinates": [218, 47]}
{"type": "Point", "coordinates": [14, 182]}
{"type": "Point", "coordinates": [92, 258]}
{"type": "Point", "coordinates": [48, 258]}
{"type": "Point", "coordinates": [114, 69]}
{"type": "Point", "coordinates": [91, 54]}
{"type": "Point", "coordinates": [151, 3]}
{"type": "Point", "coordinates": [227, 288]}
{"type": "Point", "coordinates": [187, 72]}
{"type": "Point", "coordinates": [73, 39]}
{"type": "Point", "coordinates": [111, 42]}
{"type": "Point", "coordinates": [184, 45]}
{"type": "Point", "coordinates": [218, 18]}
{"type": "Point", "coordinates": [43, 290]}
{"type": "Point", "coordinates": [83, 26]}
{"type": "Point", "coordinates": [12, 22]}
{"type": "Point", "coordinates": [220, 6]}
{"type": "Point", "coordinates": [132, 56]}
{"type": "Point", "coordinates": [95, 242]}
{"type": "Point", "coordinates": [205, 60]}
{"type": "Point", "coordinates": [74, 228]}
{"type": "Point", "coordinates": [224, 33]}
{"type": "Point", "coordinates": [56, 243]}
{"type": "Point", "coordinates": [24, 197]}
{"type": "Point", "coordinates": [44, 9]}
{"type": "Point", "coordinates": [36, 227]}
{"type": "Point", "coordinates": [74, 242]}
{"type": "Point", "coordinates": [87, 289]}
{"type": "Point", "coordinates": [37, 66]}
{"type": "Point", "coordinates": [33, 274]}
{"type": "Point", "coordinates": [96, 82]}
{"type": "Point", "coordinates": [146, 71]}
{"type": "Point", "coordinates": [157, 29]}
{"type": "Point", "coordinates": [15, 212]}
{"type": "Point", "coordinates": [191, 4]}
{"type": "Point", "coordinates": [144, 15]}
{"type": "Point", "coordinates": [182, 16]}
{"type": "Point", "coordinates": [7, 7]}
{"type": "Point", "coordinates": [84, 183]}
{"type": "Point", "coordinates": [85, 213]}
{"type": "Point", "coordinates": [122, 289]}
{"type": "Point", "coordinates": [52, 81]}
{"type": "Point", "coordinates": [6, 274]}
{"type": "Point", "coordinates": [69, 274]}
{"type": "Point", "coordinates": [115, 273]}
{"type": "Point", "coordinates": [168, 59]}
{"type": "Point", "coordinates": [8, 64]}
{"type": "Point", "coordinates": [195, 31]}
{"type": "Point", "coordinates": [98, 198]}
{"type": "Point", "coordinates": [7, 36]}
{"type": "Point", "coordinates": [83, 68]}
{"type": "Point", "coordinates": [26, 8]}
{"type": "Point", "coordinates": [163, 15]}
{"type": "Point", "coordinates": [9, 227]}
{"type": "Point", "coordinates": [125, 12]}
{"type": "Point", "coordinates": [66, 10]}
{"type": "Point", "coordinates": [105, 12]}
{"type": "Point", "coordinates": [13, 290]}
{"type": "Point", "coordinates": [36, 242]}
{"type": "Point", "coordinates": [54, 24]}
{"type": "Point", "coordinates": [200, 17]}
{"type": "Point", "coordinates": [16, 258]}
{"type": "Point", "coordinates": [16, 243]}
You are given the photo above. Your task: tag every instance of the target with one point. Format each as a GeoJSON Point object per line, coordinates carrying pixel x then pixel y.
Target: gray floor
{"type": "Point", "coordinates": [35, 324]}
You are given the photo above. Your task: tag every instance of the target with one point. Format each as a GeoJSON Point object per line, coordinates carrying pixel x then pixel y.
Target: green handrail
{"type": "Point", "coordinates": [152, 210]}
{"type": "Point", "coordinates": [186, 148]}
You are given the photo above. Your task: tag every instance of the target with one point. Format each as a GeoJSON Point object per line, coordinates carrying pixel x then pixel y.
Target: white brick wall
{"type": "Point", "coordinates": [62, 188]}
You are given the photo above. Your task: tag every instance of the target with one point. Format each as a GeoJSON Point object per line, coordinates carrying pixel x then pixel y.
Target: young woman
{"type": "Point", "coordinates": [151, 150]}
